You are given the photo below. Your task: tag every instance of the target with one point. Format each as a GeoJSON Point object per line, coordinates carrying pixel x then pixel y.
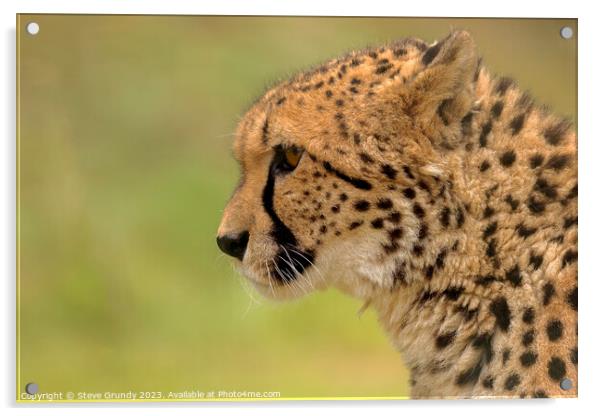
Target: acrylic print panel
{"type": "Point", "coordinates": [410, 206]}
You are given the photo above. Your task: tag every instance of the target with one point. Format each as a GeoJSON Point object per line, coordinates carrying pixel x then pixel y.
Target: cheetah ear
{"type": "Point", "coordinates": [445, 86]}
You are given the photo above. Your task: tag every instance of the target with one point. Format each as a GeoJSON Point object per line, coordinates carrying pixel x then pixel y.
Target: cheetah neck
{"type": "Point", "coordinates": [488, 250]}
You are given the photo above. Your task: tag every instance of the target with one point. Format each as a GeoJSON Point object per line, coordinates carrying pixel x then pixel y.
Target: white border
{"type": "Point", "coordinates": [590, 141]}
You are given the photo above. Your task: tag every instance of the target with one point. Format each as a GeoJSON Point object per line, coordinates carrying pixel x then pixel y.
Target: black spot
{"type": "Point", "coordinates": [508, 158]}
{"type": "Point", "coordinates": [335, 208]}
{"type": "Point", "coordinates": [556, 132]}
{"type": "Point", "coordinates": [394, 217]}
{"type": "Point", "coordinates": [488, 382]}
{"type": "Point", "coordinates": [459, 217]}
{"type": "Point", "coordinates": [429, 272]}
{"type": "Point", "coordinates": [529, 315]}
{"type": "Point", "coordinates": [554, 330]}
{"type": "Point", "coordinates": [362, 205]}
{"type": "Point", "coordinates": [536, 161]}
{"type": "Point", "coordinates": [343, 197]}
{"type": "Point", "coordinates": [328, 93]}
{"type": "Point", "coordinates": [484, 133]}
{"type": "Point", "coordinates": [377, 223]}
{"type": "Point", "coordinates": [513, 276]}
{"type": "Point", "coordinates": [440, 260]}
{"type": "Point", "coordinates": [395, 233]}
{"type": "Point", "coordinates": [390, 248]}
{"type": "Point", "coordinates": [384, 203]}
{"type": "Point", "coordinates": [536, 206]}
{"type": "Point", "coordinates": [574, 355]}
{"type": "Point", "coordinates": [569, 222]}
{"type": "Point", "coordinates": [540, 394]}
{"type": "Point", "coordinates": [528, 337]}
{"type": "Point", "coordinates": [431, 53]}
{"type": "Point", "coordinates": [366, 158]}
{"type": "Point", "coordinates": [535, 261]}
{"type": "Point", "coordinates": [423, 232]}
{"type": "Point", "coordinates": [383, 68]}
{"type": "Point", "coordinates": [527, 359]}
{"type": "Point", "coordinates": [572, 193]}
{"type": "Point", "coordinates": [466, 123]}
{"type": "Point", "coordinates": [490, 230]}
{"type": "Point", "coordinates": [408, 172]}
{"type": "Point", "coordinates": [496, 109]}
{"type": "Point", "coordinates": [517, 123]}
{"type": "Point", "coordinates": [548, 292]}
{"type": "Point", "coordinates": [470, 375]}
{"type": "Point", "coordinates": [399, 276]}
{"type": "Point", "coordinates": [281, 100]}
{"type": "Point", "coordinates": [511, 201]}
{"type": "Point", "coordinates": [505, 356]}
{"type": "Point", "coordinates": [418, 250]}
{"type": "Point", "coordinates": [503, 84]}
{"type": "Point", "coordinates": [511, 382]}
{"type": "Point", "coordinates": [569, 257]}
{"type": "Point", "coordinates": [409, 193]}
{"type": "Point", "coordinates": [339, 102]}
{"type": "Point", "coordinates": [399, 52]}
{"type": "Point", "coordinates": [441, 111]}
{"type": "Point", "coordinates": [388, 171]}
{"type": "Point", "coordinates": [444, 217]}
{"type": "Point", "coordinates": [355, 224]}
{"type": "Point", "coordinates": [491, 248]}
{"type": "Point", "coordinates": [485, 280]}
{"type": "Point", "coordinates": [484, 166]}
{"type": "Point", "coordinates": [524, 231]}
{"type": "Point", "coordinates": [542, 186]}
{"type": "Point", "coordinates": [556, 368]}
{"type": "Point", "coordinates": [499, 308]}
{"type": "Point", "coordinates": [453, 293]}
{"type": "Point", "coordinates": [571, 298]}
{"type": "Point", "coordinates": [557, 162]}
{"type": "Point", "coordinates": [422, 185]}
{"type": "Point", "coordinates": [444, 340]}
{"type": "Point", "coordinates": [418, 211]}
{"type": "Point", "coordinates": [488, 212]}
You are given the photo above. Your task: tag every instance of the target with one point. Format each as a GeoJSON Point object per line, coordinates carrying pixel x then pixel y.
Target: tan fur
{"type": "Point", "coordinates": [462, 232]}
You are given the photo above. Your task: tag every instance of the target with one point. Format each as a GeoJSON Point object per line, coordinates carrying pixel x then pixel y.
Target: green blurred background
{"type": "Point", "coordinates": [124, 166]}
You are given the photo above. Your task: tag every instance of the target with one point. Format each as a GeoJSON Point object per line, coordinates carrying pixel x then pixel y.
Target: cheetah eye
{"type": "Point", "coordinates": [287, 158]}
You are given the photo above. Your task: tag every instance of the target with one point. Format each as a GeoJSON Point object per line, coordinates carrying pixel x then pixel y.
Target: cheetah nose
{"type": "Point", "coordinates": [234, 245]}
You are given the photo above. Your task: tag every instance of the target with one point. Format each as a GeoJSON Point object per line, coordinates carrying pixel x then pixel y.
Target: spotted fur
{"type": "Point", "coordinates": [442, 196]}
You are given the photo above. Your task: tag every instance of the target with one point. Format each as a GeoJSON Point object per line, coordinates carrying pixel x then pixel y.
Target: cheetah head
{"type": "Point", "coordinates": [330, 161]}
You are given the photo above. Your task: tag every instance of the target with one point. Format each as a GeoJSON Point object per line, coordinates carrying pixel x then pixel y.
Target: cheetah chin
{"type": "Point", "coordinates": [442, 196]}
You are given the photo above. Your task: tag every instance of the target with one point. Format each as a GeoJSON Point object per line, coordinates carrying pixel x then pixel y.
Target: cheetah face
{"type": "Point", "coordinates": [328, 163]}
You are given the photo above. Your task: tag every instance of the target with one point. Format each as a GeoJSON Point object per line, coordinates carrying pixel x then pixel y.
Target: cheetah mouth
{"type": "Point", "coordinates": [289, 263]}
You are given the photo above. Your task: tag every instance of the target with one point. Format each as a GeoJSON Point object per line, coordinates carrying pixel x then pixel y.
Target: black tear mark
{"type": "Point", "coordinates": [291, 260]}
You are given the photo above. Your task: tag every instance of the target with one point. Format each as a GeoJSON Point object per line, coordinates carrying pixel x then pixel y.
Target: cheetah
{"type": "Point", "coordinates": [442, 196]}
